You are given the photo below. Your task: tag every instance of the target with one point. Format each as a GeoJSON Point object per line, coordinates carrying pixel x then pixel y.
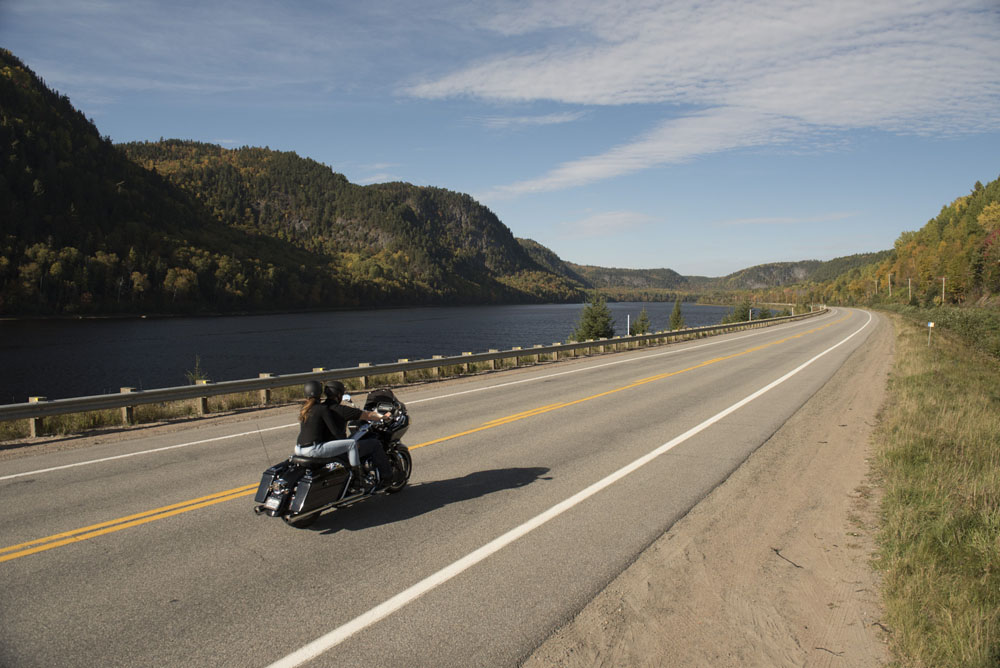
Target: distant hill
{"type": "Point", "coordinates": [405, 244]}
{"type": "Point", "coordinates": [86, 230]}
{"type": "Point", "coordinates": [768, 275]}
{"type": "Point", "coordinates": [641, 279]}
{"type": "Point", "coordinates": [176, 226]}
{"type": "Point", "coordinates": [186, 227]}
{"type": "Point", "coordinates": [831, 269]}
{"type": "Point", "coordinates": [549, 260]}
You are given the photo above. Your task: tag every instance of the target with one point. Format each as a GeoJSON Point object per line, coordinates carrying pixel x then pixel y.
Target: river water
{"type": "Point", "coordinates": [69, 358]}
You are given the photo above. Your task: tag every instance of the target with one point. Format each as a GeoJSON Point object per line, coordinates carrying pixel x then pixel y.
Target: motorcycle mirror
{"type": "Point", "coordinates": [347, 399]}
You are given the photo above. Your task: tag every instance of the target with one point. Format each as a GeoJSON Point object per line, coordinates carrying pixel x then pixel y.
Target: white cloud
{"type": "Point", "coordinates": [672, 142]}
{"type": "Point", "coordinates": [383, 177]}
{"type": "Point", "coordinates": [755, 73]}
{"type": "Point", "coordinates": [505, 122]}
{"type": "Point", "coordinates": [606, 224]}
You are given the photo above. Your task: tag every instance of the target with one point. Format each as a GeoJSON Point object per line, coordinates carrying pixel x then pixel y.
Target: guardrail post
{"type": "Point", "coordinates": [493, 362]}
{"type": "Point", "coordinates": [436, 370]}
{"type": "Point", "coordinates": [574, 351]}
{"type": "Point", "coordinates": [265, 394]}
{"type": "Point", "coordinates": [465, 367]}
{"type": "Point", "coordinates": [35, 424]}
{"type": "Point", "coordinates": [128, 412]}
{"type": "Point", "coordinates": [517, 358]}
{"type": "Point", "coordinates": [538, 357]}
{"type": "Point", "coordinates": [555, 354]}
{"type": "Point", "coordinates": [202, 401]}
{"type": "Point", "coordinates": [365, 380]}
{"type": "Point", "coordinates": [402, 374]}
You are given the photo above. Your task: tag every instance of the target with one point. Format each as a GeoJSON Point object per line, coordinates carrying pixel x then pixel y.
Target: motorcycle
{"type": "Point", "coordinates": [300, 488]}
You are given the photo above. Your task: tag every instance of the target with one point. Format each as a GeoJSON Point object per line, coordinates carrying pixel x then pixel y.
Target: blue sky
{"type": "Point", "coordinates": [702, 136]}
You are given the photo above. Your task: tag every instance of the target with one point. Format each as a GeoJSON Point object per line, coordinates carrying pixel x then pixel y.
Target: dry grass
{"type": "Point", "coordinates": [939, 439]}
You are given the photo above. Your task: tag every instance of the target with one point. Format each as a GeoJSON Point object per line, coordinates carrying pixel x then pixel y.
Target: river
{"type": "Point", "coordinates": [80, 357]}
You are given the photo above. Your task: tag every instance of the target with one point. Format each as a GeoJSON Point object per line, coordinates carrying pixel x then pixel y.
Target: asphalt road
{"type": "Point", "coordinates": [531, 490]}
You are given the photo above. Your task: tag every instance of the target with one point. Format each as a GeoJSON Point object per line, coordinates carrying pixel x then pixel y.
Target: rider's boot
{"type": "Point", "coordinates": [357, 478]}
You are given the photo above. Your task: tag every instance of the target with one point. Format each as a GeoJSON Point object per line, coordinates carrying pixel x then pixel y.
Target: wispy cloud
{"type": "Point", "coordinates": [673, 141]}
{"type": "Point", "coordinates": [383, 177]}
{"type": "Point", "coordinates": [506, 122]}
{"type": "Point", "coordinates": [608, 223]}
{"type": "Point", "coordinates": [755, 73]}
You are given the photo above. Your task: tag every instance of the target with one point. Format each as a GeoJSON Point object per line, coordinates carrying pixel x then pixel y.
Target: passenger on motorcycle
{"type": "Point", "coordinates": [323, 430]}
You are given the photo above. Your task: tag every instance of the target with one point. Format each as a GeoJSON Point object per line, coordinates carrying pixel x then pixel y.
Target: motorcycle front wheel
{"type": "Point", "coordinates": [402, 465]}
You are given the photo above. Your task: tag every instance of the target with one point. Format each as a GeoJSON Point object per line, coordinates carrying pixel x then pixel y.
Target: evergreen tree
{"type": "Point", "coordinates": [740, 314]}
{"type": "Point", "coordinates": [676, 319]}
{"type": "Point", "coordinates": [642, 325]}
{"type": "Point", "coordinates": [595, 320]}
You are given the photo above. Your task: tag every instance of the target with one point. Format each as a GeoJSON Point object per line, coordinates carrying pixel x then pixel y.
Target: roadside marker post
{"type": "Point", "coordinates": [930, 326]}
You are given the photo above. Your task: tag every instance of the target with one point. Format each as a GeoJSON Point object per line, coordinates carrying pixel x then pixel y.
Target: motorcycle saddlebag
{"type": "Point", "coordinates": [267, 478]}
{"type": "Point", "coordinates": [319, 487]}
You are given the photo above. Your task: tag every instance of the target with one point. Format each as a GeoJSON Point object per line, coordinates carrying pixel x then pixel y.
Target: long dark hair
{"type": "Point", "coordinates": [304, 413]}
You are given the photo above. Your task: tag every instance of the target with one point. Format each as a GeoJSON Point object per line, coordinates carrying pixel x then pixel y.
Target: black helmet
{"type": "Point", "coordinates": [313, 389]}
{"type": "Point", "coordinates": [334, 389]}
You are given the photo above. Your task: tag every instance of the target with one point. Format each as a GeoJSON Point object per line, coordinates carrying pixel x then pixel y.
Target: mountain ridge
{"type": "Point", "coordinates": [179, 226]}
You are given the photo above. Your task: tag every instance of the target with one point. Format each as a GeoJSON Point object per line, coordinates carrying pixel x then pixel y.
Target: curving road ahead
{"type": "Point", "coordinates": [532, 489]}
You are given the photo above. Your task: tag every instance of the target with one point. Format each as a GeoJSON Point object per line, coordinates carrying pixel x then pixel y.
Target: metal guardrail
{"type": "Point", "coordinates": [130, 398]}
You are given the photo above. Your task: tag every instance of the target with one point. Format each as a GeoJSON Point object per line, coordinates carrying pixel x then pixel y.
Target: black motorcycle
{"type": "Point", "coordinates": [300, 488]}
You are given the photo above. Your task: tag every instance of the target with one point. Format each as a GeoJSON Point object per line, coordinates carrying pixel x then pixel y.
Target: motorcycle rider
{"type": "Point", "coordinates": [324, 425]}
{"type": "Point", "coordinates": [369, 447]}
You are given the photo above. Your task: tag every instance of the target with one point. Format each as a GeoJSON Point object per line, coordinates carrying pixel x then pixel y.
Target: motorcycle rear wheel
{"type": "Point", "coordinates": [402, 465]}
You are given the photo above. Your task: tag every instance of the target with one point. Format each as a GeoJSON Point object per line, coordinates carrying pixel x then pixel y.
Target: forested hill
{"type": "Point", "coordinates": [84, 229]}
{"type": "Point", "coordinates": [954, 258]}
{"type": "Point", "coordinates": [175, 226]}
{"type": "Point", "coordinates": [426, 245]}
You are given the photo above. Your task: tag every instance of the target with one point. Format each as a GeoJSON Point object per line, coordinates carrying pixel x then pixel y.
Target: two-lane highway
{"type": "Point", "coordinates": [531, 490]}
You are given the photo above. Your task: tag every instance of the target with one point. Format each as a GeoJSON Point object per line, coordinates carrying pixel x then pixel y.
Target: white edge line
{"type": "Point", "coordinates": [143, 452]}
{"type": "Point", "coordinates": [415, 401]}
{"type": "Point", "coordinates": [601, 366]}
{"type": "Point", "coordinates": [333, 638]}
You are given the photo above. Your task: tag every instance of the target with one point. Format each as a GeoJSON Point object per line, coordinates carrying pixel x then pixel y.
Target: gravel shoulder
{"type": "Point", "coordinates": [773, 568]}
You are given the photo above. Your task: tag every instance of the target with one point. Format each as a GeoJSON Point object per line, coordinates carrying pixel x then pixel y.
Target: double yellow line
{"type": "Point", "coordinates": [552, 407]}
{"type": "Point", "coordinates": [95, 530]}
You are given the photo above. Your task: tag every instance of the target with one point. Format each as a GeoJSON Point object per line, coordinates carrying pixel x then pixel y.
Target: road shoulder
{"type": "Point", "coordinates": [770, 569]}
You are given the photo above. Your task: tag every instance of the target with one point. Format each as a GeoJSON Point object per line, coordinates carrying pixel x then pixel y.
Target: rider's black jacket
{"type": "Point", "coordinates": [321, 425]}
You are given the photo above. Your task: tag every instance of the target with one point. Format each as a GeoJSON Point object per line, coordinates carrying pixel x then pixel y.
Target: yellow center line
{"type": "Point", "coordinates": [94, 530]}
{"type": "Point", "coordinates": [518, 416]}
{"type": "Point", "coordinates": [111, 526]}
{"type": "Point", "coordinates": [546, 409]}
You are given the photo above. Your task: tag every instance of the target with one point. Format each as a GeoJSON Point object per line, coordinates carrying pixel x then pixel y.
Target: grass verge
{"type": "Point", "coordinates": [939, 455]}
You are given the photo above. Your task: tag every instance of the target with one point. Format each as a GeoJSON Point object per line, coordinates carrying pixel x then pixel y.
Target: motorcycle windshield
{"type": "Point", "coordinates": [382, 395]}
